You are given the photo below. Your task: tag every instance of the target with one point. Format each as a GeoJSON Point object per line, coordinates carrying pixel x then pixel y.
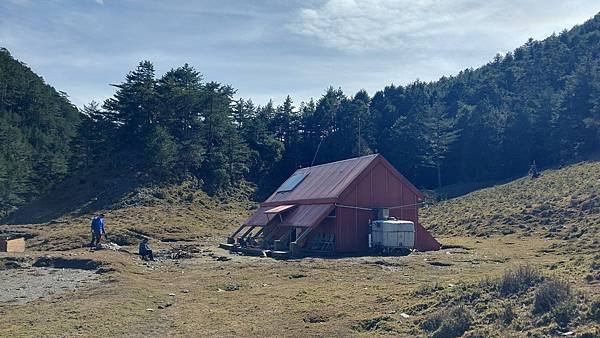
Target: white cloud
{"type": "Point", "coordinates": [380, 24]}
{"type": "Point", "coordinates": [375, 25]}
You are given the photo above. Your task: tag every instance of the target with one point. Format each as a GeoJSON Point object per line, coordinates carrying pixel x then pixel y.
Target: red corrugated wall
{"type": "Point", "coordinates": [377, 187]}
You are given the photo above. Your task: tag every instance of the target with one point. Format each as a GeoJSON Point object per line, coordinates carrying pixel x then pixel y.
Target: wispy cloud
{"type": "Point", "coordinates": [381, 24]}
{"type": "Point", "coordinates": [375, 25]}
{"type": "Point", "coordinates": [269, 49]}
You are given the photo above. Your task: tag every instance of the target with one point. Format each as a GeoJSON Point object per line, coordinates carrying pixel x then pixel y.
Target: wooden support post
{"type": "Point", "coordinates": [295, 249]}
{"type": "Point", "coordinates": [259, 232]}
{"type": "Point", "coordinates": [270, 234]}
{"type": "Point", "coordinates": [300, 240]}
{"type": "Point", "coordinates": [231, 238]}
{"type": "Point", "coordinates": [248, 231]}
{"type": "Point", "coordinates": [238, 230]}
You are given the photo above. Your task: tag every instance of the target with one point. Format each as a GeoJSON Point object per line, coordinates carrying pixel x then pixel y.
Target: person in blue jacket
{"type": "Point", "coordinates": [97, 230]}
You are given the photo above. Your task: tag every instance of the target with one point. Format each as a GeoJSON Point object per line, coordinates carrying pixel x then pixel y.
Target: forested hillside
{"type": "Point", "coordinates": [36, 126]}
{"type": "Point", "coordinates": [539, 103]}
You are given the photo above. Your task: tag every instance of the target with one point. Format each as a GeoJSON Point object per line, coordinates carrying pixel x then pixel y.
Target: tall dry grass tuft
{"type": "Point", "coordinates": [518, 280]}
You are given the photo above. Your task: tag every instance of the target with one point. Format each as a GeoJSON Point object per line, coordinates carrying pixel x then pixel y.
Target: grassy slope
{"type": "Point", "coordinates": [173, 214]}
{"type": "Point", "coordinates": [561, 204]}
{"type": "Point", "coordinates": [557, 200]}
{"type": "Point", "coordinates": [563, 208]}
{"type": "Point", "coordinates": [361, 296]}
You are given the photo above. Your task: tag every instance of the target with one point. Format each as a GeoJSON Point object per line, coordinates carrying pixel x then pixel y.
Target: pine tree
{"type": "Point", "coordinates": [135, 105]}
{"type": "Point", "coordinates": [574, 105]}
{"type": "Point", "coordinates": [94, 140]}
{"type": "Point", "coordinates": [283, 122]}
{"type": "Point", "coordinates": [236, 156]}
{"type": "Point", "coordinates": [440, 134]}
{"type": "Point", "coordinates": [37, 124]}
{"type": "Point", "coordinates": [224, 156]}
{"type": "Point", "coordinates": [180, 94]}
{"type": "Point", "coordinates": [15, 168]}
{"type": "Point", "coordinates": [160, 152]}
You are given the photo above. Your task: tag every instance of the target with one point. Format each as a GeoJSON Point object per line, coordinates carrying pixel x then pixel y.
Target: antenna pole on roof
{"type": "Point", "coordinates": [321, 141]}
{"type": "Point", "coordinates": [358, 139]}
{"type": "Point", "coordinates": [316, 152]}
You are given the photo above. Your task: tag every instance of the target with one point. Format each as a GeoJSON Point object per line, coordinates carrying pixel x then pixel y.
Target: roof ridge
{"type": "Point", "coordinates": [336, 162]}
{"type": "Point", "coordinates": [344, 184]}
{"type": "Point", "coordinates": [326, 180]}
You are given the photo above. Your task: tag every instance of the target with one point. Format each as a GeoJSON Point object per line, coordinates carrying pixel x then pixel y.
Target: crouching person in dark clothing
{"type": "Point", "coordinates": [145, 251]}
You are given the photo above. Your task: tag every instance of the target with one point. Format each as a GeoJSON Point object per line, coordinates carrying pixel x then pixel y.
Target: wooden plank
{"type": "Point", "coordinates": [226, 246]}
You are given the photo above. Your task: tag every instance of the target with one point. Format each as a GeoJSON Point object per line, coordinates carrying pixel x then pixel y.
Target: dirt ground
{"type": "Point", "coordinates": [216, 293]}
{"type": "Point", "coordinates": [20, 286]}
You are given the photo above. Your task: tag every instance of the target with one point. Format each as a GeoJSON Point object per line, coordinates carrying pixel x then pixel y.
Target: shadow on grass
{"type": "Point", "coordinates": [76, 195]}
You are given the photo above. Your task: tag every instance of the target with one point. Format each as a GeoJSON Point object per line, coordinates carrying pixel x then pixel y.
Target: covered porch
{"type": "Point", "coordinates": [283, 230]}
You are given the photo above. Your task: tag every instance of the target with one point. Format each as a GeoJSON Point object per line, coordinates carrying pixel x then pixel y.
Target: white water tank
{"type": "Point", "coordinates": [392, 234]}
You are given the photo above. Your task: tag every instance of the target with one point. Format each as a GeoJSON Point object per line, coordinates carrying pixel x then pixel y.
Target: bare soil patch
{"type": "Point", "coordinates": [20, 286]}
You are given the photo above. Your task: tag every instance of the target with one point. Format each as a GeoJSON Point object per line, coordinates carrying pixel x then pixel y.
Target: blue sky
{"type": "Point", "coordinates": [269, 49]}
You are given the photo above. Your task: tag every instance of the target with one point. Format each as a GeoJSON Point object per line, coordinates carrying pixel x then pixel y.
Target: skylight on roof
{"type": "Point", "coordinates": [292, 182]}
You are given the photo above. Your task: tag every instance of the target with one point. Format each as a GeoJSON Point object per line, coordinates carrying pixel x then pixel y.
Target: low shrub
{"type": "Point", "coordinates": [549, 294]}
{"type": "Point", "coordinates": [507, 315]}
{"type": "Point", "coordinates": [428, 289]}
{"type": "Point", "coordinates": [315, 318]}
{"type": "Point", "coordinates": [433, 321]}
{"type": "Point", "coordinates": [517, 280]}
{"type": "Point", "coordinates": [229, 286]}
{"type": "Point", "coordinates": [452, 322]}
{"type": "Point", "coordinates": [564, 312]}
{"type": "Point", "coordinates": [594, 312]}
{"type": "Point", "coordinates": [592, 332]}
{"type": "Point", "coordinates": [481, 333]}
{"type": "Point", "coordinates": [377, 323]}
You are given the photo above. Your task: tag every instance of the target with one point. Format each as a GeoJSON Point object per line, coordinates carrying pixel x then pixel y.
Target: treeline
{"type": "Point", "coordinates": [36, 126]}
{"type": "Point", "coordinates": [539, 103]}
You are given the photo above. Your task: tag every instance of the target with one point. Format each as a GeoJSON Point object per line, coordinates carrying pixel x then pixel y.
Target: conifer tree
{"type": "Point", "coordinates": [440, 134]}
{"type": "Point", "coordinates": [134, 105]}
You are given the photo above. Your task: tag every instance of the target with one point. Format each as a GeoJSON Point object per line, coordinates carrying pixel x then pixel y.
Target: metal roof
{"type": "Point", "coordinates": [259, 217]}
{"type": "Point", "coordinates": [304, 215]}
{"type": "Point", "coordinates": [307, 215]}
{"type": "Point", "coordinates": [326, 180]}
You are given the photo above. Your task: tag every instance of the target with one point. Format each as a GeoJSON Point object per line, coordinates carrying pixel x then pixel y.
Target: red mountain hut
{"type": "Point", "coordinates": [350, 206]}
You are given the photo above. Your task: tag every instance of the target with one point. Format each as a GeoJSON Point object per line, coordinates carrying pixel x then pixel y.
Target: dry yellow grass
{"type": "Point", "coordinates": [251, 296]}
